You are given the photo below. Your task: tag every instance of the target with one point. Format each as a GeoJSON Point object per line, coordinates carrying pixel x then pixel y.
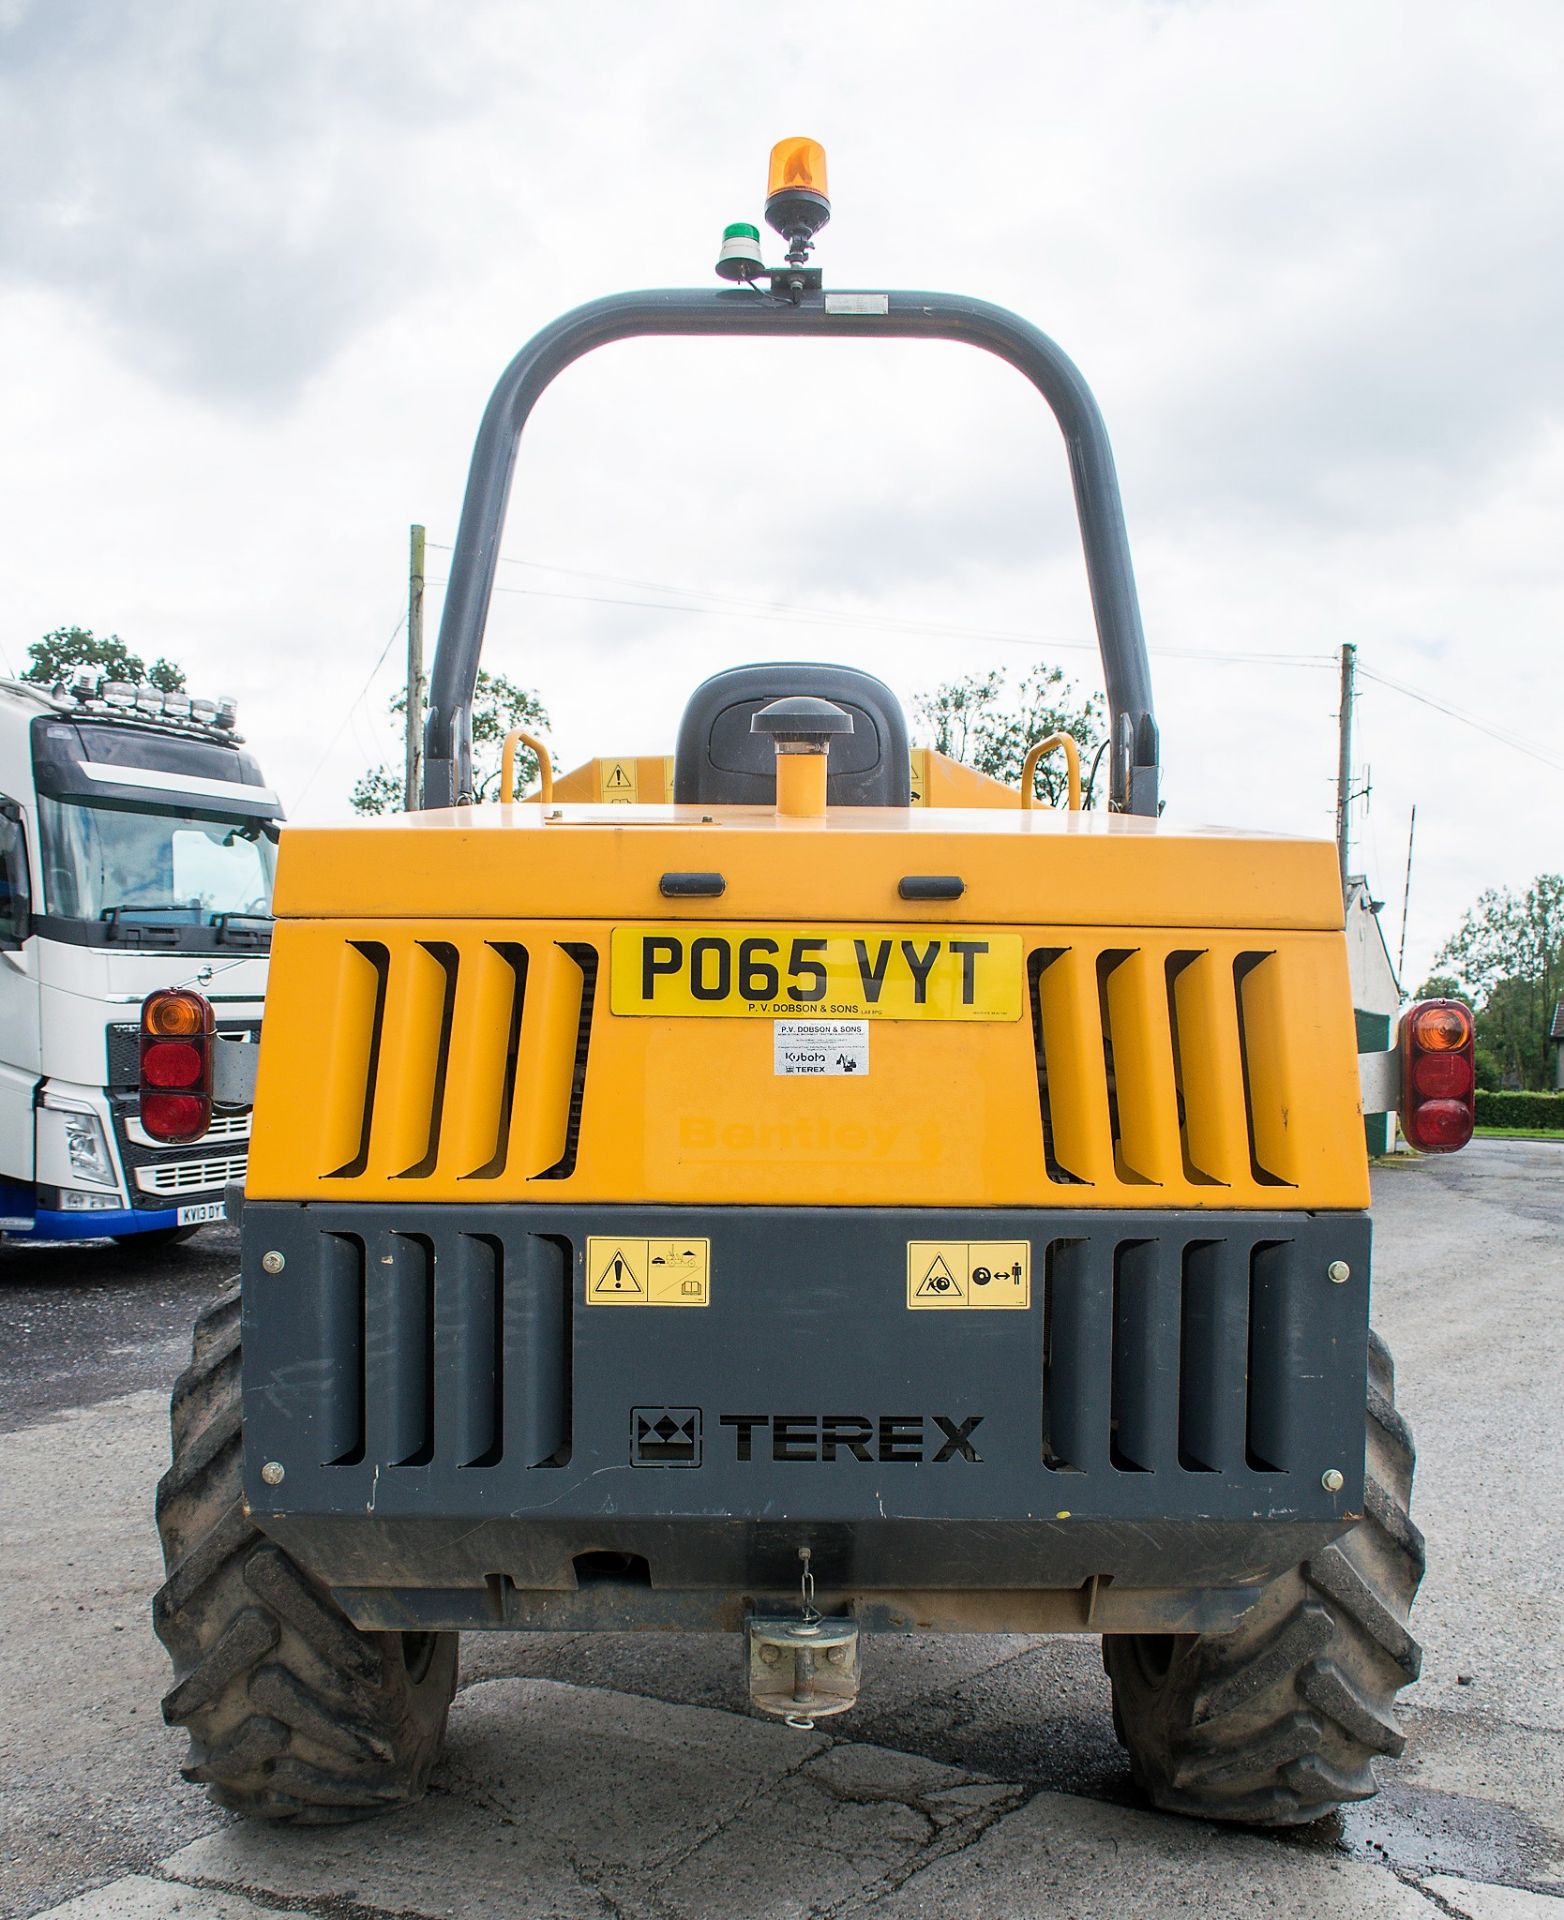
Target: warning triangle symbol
{"type": "Point", "coordinates": [617, 1276]}
{"type": "Point", "coordinates": [939, 1283]}
{"type": "Point", "coordinates": [618, 779]}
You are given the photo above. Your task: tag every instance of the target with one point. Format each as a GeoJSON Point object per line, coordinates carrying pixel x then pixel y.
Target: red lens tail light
{"type": "Point", "coordinates": [1438, 1075]}
{"type": "Point", "coordinates": [176, 1065]}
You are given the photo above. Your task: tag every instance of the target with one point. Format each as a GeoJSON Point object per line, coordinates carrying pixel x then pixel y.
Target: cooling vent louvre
{"type": "Point", "coordinates": [465, 1060]}
{"type": "Point", "coordinates": [1161, 1356]}
{"type": "Point", "coordinates": [441, 1349]}
{"type": "Point", "coordinates": [1159, 1069]}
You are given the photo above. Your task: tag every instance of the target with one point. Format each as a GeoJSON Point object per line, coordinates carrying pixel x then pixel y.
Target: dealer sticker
{"type": "Point", "coordinates": [820, 1046]}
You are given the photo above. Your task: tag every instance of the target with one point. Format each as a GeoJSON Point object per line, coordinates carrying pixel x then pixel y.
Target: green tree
{"type": "Point", "coordinates": [498, 705]}
{"type": "Point", "coordinates": [57, 655]}
{"type": "Point", "coordinates": [976, 720]}
{"type": "Point", "coordinates": [1508, 952]}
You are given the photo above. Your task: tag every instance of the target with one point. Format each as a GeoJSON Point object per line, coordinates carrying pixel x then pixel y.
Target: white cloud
{"type": "Point", "coordinates": [261, 264]}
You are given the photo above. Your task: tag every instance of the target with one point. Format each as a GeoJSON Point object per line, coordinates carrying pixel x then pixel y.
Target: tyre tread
{"type": "Point", "coordinates": [293, 1714]}
{"type": "Point", "coordinates": [1279, 1721]}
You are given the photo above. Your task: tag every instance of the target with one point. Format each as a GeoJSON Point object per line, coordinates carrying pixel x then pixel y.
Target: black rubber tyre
{"type": "Point", "coordinates": [1278, 1722]}
{"type": "Point", "coordinates": [293, 1714]}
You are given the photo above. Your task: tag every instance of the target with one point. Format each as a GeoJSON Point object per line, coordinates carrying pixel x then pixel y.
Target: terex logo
{"type": "Point", "coordinates": [904, 1438]}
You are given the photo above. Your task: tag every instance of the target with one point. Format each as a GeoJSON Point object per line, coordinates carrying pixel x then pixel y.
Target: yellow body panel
{"type": "Point", "coordinates": [440, 1027]}
{"type": "Point", "coordinates": [607, 862]}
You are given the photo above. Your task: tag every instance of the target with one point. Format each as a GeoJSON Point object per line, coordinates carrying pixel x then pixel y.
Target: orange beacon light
{"type": "Point", "coordinates": [797, 202]}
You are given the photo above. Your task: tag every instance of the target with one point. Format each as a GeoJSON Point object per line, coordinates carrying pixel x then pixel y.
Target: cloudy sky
{"type": "Point", "coordinates": [262, 260]}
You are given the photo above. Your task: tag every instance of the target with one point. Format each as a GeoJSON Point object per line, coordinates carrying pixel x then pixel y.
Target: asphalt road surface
{"type": "Point", "coordinates": [623, 1776]}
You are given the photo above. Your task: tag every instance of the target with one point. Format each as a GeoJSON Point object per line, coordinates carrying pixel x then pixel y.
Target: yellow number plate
{"type": "Point", "coordinates": [768, 971]}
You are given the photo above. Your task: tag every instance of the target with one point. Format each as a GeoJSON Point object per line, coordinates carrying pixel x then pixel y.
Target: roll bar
{"type": "Point", "coordinates": [836, 314]}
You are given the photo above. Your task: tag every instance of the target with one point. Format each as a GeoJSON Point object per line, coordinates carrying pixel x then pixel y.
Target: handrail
{"type": "Point", "coordinates": [1072, 768]}
{"type": "Point", "coordinates": [519, 737]}
{"type": "Point", "coordinates": [1133, 781]}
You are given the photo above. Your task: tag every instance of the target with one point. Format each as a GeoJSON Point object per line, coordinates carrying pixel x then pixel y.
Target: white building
{"type": "Point", "coordinates": [1376, 991]}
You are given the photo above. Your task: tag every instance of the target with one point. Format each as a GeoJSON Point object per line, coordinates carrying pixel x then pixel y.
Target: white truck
{"type": "Point", "coordinates": [137, 845]}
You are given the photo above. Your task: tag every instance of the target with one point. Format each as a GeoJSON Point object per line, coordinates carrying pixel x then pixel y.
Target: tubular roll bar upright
{"type": "Point", "coordinates": [877, 316]}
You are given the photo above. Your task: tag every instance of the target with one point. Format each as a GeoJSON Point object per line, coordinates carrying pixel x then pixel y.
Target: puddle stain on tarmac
{"type": "Point", "coordinates": [1425, 1831]}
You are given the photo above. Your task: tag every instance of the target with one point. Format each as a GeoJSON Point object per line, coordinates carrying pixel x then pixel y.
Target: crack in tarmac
{"type": "Point", "coordinates": [328, 1905]}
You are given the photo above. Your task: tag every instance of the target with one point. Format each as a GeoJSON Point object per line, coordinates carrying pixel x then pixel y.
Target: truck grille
{"type": "Point", "coordinates": [192, 1176]}
{"type": "Point", "coordinates": [225, 1126]}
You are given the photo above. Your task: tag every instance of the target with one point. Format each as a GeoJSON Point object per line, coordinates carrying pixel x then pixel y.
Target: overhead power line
{"type": "Point", "coordinates": [714, 601]}
{"type": "Point", "coordinates": [352, 709]}
{"type": "Point", "coordinates": [1502, 734]}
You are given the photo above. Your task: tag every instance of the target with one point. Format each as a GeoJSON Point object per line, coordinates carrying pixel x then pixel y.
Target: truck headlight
{"type": "Point", "coordinates": [88, 1151]}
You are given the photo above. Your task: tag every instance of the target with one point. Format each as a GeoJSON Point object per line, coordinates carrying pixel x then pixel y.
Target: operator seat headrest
{"type": "Point", "coordinates": [718, 761]}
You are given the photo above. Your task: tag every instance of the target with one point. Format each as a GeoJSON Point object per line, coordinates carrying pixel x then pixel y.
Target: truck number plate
{"type": "Point", "coordinates": [892, 974]}
{"type": "Point", "coordinates": [199, 1212]}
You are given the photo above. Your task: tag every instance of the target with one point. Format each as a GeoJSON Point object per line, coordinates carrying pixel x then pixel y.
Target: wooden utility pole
{"type": "Point", "coordinates": [1349, 662]}
{"type": "Point", "coordinates": [413, 783]}
{"type": "Point", "coordinates": [1406, 897]}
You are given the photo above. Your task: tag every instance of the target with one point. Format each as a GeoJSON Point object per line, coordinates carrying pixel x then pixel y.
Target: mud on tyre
{"type": "Point", "coordinates": [1279, 1721]}
{"type": "Point", "coordinates": [293, 1714]}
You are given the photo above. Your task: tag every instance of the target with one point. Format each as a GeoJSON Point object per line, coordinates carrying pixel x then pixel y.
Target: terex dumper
{"type": "Point", "coordinates": [779, 1207]}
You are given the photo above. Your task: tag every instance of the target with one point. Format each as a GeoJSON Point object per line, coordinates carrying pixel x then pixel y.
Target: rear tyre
{"type": "Point", "coordinates": [1278, 1722]}
{"type": "Point", "coordinates": [293, 1714]}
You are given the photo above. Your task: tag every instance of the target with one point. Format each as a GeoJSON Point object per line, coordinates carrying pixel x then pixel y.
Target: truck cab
{"type": "Point", "coordinates": [137, 845]}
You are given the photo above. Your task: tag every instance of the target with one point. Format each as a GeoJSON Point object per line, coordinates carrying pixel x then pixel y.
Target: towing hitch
{"type": "Point", "coordinates": [802, 1671]}
{"type": "Point", "coordinates": [802, 1668]}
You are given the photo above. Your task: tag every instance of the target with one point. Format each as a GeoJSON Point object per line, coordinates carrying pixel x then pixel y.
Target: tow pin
{"type": "Point", "coordinates": [804, 1657]}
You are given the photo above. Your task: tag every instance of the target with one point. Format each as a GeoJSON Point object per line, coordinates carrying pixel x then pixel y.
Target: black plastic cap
{"type": "Point", "coordinates": [803, 717]}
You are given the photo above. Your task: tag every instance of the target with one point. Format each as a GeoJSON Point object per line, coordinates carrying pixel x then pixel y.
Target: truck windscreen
{"type": "Point", "coordinates": [102, 862]}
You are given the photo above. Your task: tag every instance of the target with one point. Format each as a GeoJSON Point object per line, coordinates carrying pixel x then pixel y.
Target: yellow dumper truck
{"type": "Point", "coordinates": [792, 1203]}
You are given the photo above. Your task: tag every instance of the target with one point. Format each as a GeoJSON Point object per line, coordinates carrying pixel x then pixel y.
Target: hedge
{"type": "Point", "coordinates": [1520, 1109]}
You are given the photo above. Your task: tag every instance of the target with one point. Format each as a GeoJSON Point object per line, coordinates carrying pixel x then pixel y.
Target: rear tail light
{"type": "Point", "coordinates": [1438, 1076]}
{"type": "Point", "coordinates": [176, 1065]}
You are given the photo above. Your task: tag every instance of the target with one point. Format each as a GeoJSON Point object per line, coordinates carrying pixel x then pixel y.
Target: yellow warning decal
{"type": "Point", "coordinates": [647, 1273]}
{"type": "Point", "coordinates": [918, 764]}
{"type": "Point", "coordinates": [969, 1273]}
{"type": "Point", "coordinates": [616, 780]}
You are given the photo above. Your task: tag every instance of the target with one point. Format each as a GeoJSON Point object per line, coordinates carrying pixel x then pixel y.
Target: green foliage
{"type": "Point", "coordinates": [379, 790]}
{"type": "Point", "coordinates": [1509, 953]}
{"type": "Point", "coordinates": [1537, 1111]}
{"type": "Point", "coordinates": [57, 655]}
{"type": "Point", "coordinates": [1486, 1071]}
{"type": "Point", "coordinates": [1441, 986]}
{"type": "Point", "coordinates": [498, 705]}
{"type": "Point", "coordinates": [973, 720]}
